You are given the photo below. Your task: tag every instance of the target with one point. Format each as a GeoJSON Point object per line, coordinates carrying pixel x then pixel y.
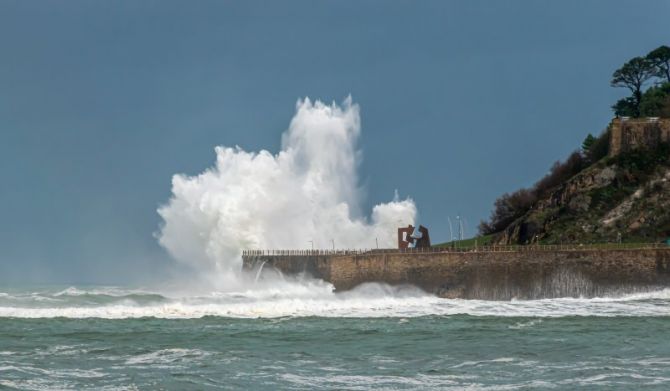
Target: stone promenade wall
{"type": "Point", "coordinates": [489, 275]}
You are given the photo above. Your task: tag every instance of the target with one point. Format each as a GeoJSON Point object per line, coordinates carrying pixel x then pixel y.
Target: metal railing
{"type": "Point", "coordinates": [457, 249]}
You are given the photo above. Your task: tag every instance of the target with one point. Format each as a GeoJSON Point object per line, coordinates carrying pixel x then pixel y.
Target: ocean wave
{"type": "Point", "coordinates": [166, 356]}
{"type": "Point", "coordinates": [369, 300]}
{"type": "Point", "coordinates": [77, 297]}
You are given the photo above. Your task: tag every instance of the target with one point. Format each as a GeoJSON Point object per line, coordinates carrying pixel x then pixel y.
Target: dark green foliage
{"type": "Point", "coordinates": [602, 195]}
{"type": "Point", "coordinates": [634, 75]}
{"type": "Point", "coordinates": [641, 162]}
{"type": "Point", "coordinates": [588, 143]}
{"type": "Point", "coordinates": [656, 101]}
{"type": "Point", "coordinates": [625, 107]}
{"type": "Point", "coordinates": [599, 148]}
{"type": "Point", "coordinates": [660, 60]}
{"type": "Point", "coordinates": [605, 197]}
{"type": "Point", "coordinates": [594, 149]}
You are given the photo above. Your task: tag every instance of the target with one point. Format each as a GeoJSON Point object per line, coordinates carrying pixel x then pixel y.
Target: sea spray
{"type": "Point", "coordinates": [306, 195]}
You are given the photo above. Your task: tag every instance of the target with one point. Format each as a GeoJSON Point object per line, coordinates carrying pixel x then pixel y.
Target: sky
{"type": "Point", "coordinates": [102, 102]}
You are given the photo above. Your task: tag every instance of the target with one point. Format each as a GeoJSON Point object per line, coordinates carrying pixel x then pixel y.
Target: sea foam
{"type": "Point", "coordinates": [368, 300]}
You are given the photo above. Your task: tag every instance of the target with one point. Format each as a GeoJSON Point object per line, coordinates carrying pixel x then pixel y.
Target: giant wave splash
{"type": "Point", "coordinates": [306, 195]}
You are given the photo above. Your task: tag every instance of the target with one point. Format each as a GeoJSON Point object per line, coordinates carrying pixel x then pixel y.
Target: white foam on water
{"type": "Point", "coordinates": [166, 356]}
{"type": "Point", "coordinates": [105, 290]}
{"type": "Point", "coordinates": [523, 325]}
{"type": "Point", "coordinates": [293, 299]}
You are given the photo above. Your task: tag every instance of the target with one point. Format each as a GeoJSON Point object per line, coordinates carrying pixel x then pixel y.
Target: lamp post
{"type": "Point", "coordinates": [451, 232]}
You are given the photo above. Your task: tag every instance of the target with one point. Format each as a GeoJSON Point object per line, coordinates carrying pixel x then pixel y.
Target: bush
{"type": "Point", "coordinates": [559, 173]}
{"type": "Point", "coordinates": [643, 161]}
{"type": "Point", "coordinates": [506, 209]}
{"type": "Point", "coordinates": [656, 101]}
{"type": "Point", "coordinates": [599, 148]}
{"type": "Point", "coordinates": [626, 107]}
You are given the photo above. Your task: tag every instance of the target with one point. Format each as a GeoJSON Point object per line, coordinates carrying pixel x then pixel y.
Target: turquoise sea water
{"type": "Point", "coordinates": [373, 338]}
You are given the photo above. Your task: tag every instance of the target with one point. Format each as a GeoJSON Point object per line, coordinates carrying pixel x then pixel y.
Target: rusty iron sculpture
{"type": "Point", "coordinates": [412, 237]}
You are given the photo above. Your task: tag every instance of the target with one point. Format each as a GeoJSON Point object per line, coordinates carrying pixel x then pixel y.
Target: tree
{"type": "Point", "coordinates": [587, 144]}
{"type": "Point", "coordinates": [633, 75]}
{"type": "Point", "coordinates": [660, 60]}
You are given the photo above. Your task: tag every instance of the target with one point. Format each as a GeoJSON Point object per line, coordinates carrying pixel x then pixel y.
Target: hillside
{"type": "Point", "coordinates": [616, 187]}
{"type": "Point", "coordinates": [625, 198]}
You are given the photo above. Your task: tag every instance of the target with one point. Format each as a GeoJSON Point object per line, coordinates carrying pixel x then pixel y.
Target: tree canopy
{"type": "Point", "coordinates": [588, 143]}
{"type": "Point", "coordinates": [634, 75]}
{"type": "Point", "coordinates": [660, 60]}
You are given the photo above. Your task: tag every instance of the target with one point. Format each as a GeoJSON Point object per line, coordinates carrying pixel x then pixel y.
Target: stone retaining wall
{"type": "Point", "coordinates": [627, 134]}
{"type": "Point", "coordinates": [489, 275]}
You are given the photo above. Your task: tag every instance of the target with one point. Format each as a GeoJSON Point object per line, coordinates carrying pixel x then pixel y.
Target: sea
{"type": "Point", "coordinates": [305, 337]}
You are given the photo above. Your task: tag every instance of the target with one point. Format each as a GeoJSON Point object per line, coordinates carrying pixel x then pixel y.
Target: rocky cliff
{"type": "Point", "coordinates": [624, 197]}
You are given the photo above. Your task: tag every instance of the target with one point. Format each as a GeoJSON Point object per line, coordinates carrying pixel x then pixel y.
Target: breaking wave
{"type": "Point", "coordinates": [307, 195]}
{"type": "Point", "coordinates": [311, 298]}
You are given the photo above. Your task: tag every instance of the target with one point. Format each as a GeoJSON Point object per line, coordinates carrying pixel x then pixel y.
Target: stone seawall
{"type": "Point", "coordinates": [488, 275]}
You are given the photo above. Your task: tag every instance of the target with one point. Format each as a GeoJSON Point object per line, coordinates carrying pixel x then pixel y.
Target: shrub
{"type": "Point", "coordinates": [506, 209]}
{"type": "Point", "coordinates": [559, 173]}
{"type": "Point", "coordinates": [510, 207]}
{"type": "Point", "coordinates": [599, 148]}
{"type": "Point", "coordinates": [626, 107]}
{"type": "Point", "coordinates": [643, 161]}
{"type": "Point", "coordinates": [656, 101]}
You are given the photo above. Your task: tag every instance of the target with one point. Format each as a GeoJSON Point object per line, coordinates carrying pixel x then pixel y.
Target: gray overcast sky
{"type": "Point", "coordinates": [101, 102]}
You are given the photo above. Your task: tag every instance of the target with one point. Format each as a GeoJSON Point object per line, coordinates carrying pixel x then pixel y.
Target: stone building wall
{"type": "Point", "coordinates": [627, 134]}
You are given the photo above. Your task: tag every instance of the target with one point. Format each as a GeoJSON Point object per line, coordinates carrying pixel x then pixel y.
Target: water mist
{"type": "Point", "coordinates": [307, 194]}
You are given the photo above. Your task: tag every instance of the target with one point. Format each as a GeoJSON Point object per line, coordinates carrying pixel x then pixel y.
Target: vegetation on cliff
{"type": "Point", "coordinates": [623, 198]}
{"type": "Point", "coordinates": [635, 75]}
{"type": "Point", "coordinates": [591, 197]}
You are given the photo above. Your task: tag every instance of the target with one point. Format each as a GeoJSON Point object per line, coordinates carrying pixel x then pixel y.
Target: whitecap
{"type": "Point", "coordinates": [166, 356]}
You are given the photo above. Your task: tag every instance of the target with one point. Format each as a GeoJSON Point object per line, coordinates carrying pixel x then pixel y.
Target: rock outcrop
{"type": "Point", "coordinates": [626, 197]}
